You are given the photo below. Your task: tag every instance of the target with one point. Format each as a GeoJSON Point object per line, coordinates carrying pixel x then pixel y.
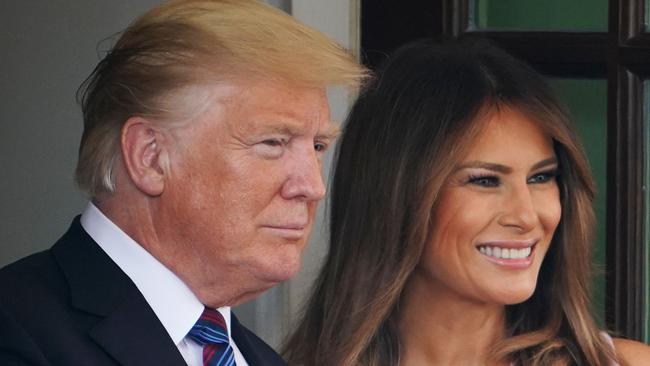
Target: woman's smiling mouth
{"type": "Point", "coordinates": [510, 254]}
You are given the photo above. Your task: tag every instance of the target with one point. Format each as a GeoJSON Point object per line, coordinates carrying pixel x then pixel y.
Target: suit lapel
{"type": "Point", "coordinates": [128, 329]}
{"type": "Point", "coordinates": [254, 350]}
{"type": "Point", "coordinates": [133, 335]}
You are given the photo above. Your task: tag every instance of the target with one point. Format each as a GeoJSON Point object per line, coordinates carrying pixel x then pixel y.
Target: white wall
{"type": "Point", "coordinates": [48, 49]}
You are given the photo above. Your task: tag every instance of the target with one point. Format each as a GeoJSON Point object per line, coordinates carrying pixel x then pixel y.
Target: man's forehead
{"type": "Point", "coordinates": [253, 106]}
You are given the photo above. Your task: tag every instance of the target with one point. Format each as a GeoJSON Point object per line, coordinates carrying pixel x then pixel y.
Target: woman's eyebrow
{"type": "Point", "coordinates": [544, 163]}
{"type": "Point", "coordinates": [503, 169]}
{"type": "Point", "coordinates": [477, 164]}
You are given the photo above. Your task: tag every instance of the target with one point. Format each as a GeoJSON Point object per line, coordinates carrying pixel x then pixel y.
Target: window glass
{"type": "Point", "coordinates": [647, 19]}
{"type": "Point", "coordinates": [587, 103]}
{"type": "Point", "coordinates": [646, 222]}
{"type": "Point", "coordinates": [536, 15]}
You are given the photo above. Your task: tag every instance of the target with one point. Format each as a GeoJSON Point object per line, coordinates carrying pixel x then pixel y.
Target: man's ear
{"type": "Point", "coordinates": [144, 155]}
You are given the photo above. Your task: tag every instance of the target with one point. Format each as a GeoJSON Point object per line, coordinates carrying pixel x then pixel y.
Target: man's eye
{"type": "Point", "coordinates": [320, 146]}
{"type": "Point", "coordinates": [273, 142]}
{"type": "Point", "coordinates": [484, 181]}
{"type": "Point", "coordinates": [271, 148]}
{"type": "Point", "coordinates": [542, 177]}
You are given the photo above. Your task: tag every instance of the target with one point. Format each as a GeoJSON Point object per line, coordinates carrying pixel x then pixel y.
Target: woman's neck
{"type": "Point", "coordinates": [440, 327]}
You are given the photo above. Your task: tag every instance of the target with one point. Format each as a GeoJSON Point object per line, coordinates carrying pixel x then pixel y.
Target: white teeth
{"type": "Point", "coordinates": [505, 253]}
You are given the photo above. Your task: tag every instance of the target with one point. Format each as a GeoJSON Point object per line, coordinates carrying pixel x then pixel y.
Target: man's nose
{"type": "Point", "coordinates": [305, 179]}
{"type": "Point", "coordinates": [519, 210]}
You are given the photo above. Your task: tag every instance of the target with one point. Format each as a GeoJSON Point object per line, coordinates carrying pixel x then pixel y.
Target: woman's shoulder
{"type": "Point", "coordinates": [632, 352]}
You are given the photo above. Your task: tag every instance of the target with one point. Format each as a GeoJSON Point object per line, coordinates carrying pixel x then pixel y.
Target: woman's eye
{"type": "Point", "coordinates": [542, 177]}
{"type": "Point", "coordinates": [484, 181]}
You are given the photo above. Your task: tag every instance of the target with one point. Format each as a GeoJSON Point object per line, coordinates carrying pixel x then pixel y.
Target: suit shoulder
{"type": "Point", "coordinates": [30, 279]}
{"type": "Point", "coordinates": [27, 287]}
{"type": "Point", "coordinates": [32, 268]}
{"type": "Point", "coordinates": [38, 272]}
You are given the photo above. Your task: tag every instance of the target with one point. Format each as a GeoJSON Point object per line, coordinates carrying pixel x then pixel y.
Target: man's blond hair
{"type": "Point", "coordinates": [185, 43]}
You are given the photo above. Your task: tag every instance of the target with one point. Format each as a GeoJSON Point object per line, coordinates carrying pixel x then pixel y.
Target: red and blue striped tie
{"type": "Point", "coordinates": [211, 332]}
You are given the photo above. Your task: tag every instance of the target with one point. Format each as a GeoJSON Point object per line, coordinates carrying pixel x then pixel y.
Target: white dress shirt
{"type": "Point", "coordinates": [174, 303]}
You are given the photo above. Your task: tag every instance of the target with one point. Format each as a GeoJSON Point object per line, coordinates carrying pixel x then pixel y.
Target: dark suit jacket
{"type": "Point", "coordinates": [72, 305]}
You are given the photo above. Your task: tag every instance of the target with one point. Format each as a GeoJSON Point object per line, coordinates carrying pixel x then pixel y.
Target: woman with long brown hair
{"type": "Point", "coordinates": [461, 224]}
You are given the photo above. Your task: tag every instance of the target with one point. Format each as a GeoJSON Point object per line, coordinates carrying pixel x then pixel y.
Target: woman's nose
{"type": "Point", "coordinates": [519, 210]}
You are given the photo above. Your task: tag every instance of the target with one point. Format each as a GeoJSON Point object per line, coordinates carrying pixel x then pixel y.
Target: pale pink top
{"type": "Point", "coordinates": [609, 341]}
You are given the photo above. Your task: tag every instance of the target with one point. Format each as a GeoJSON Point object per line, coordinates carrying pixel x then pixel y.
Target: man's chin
{"type": "Point", "coordinates": [263, 276]}
{"type": "Point", "coordinates": [248, 296]}
{"type": "Point", "coordinates": [280, 266]}
{"type": "Point", "coordinates": [262, 286]}
{"type": "Point", "coordinates": [281, 273]}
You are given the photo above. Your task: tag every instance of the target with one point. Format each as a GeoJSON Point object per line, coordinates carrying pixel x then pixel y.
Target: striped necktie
{"type": "Point", "coordinates": [211, 332]}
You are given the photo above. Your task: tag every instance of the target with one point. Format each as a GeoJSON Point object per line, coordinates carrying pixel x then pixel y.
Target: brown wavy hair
{"type": "Point", "coordinates": [402, 139]}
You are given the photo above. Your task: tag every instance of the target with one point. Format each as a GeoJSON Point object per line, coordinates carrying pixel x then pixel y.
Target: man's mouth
{"type": "Point", "coordinates": [288, 231]}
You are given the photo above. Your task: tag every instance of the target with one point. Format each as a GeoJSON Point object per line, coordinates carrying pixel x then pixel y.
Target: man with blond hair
{"type": "Point", "coordinates": [204, 130]}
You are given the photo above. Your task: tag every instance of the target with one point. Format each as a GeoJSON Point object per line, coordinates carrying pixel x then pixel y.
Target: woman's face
{"type": "Point", "coordinates": [496, 215]}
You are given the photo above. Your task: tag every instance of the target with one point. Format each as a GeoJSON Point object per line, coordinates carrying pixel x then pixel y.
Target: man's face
{"type": "Point", "coordinates": [245, 180]}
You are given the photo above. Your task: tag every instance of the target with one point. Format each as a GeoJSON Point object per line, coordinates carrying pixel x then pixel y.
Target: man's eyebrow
{"type": "Point", "coordinates": [279, 127]}
{"type": "Point", "coordinates": [503, 169]}
{"type": "Point", "coordinates": [330, 130]}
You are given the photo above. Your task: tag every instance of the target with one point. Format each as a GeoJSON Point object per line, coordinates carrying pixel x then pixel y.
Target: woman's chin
{"type": "Point", "coordinates": [516, 297]}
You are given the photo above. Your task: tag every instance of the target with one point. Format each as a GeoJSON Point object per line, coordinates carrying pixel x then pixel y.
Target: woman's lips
{"type": "Point", "coordinates": [509, 254]}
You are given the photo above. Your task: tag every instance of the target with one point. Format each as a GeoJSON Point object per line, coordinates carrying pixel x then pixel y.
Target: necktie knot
{"type": "Point", "coordinates": [210, 328]}
{"type": "Point", "coordinates": [211, 332]}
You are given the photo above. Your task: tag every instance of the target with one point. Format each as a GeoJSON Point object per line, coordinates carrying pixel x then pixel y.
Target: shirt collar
{"type": "Point", "coordinates": [172, 301]}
